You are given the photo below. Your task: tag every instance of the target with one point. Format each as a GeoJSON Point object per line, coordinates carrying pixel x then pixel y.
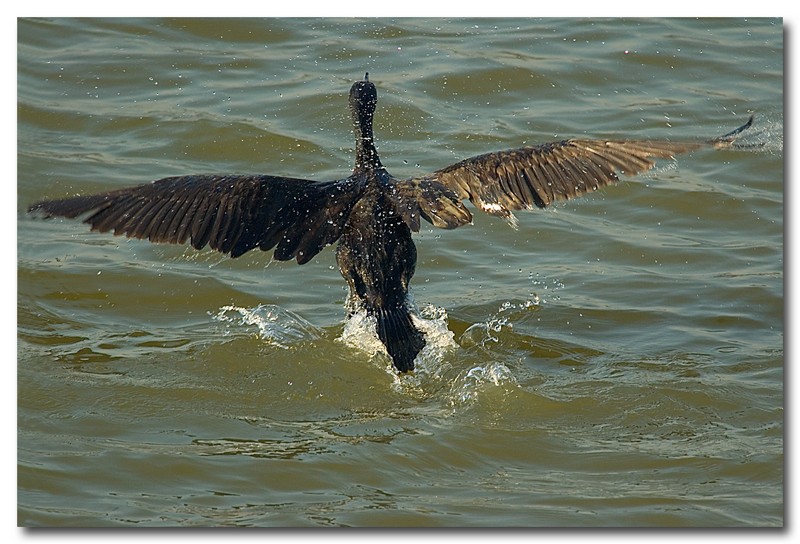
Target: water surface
{"type": "Point", "coordinates": [615, 361]}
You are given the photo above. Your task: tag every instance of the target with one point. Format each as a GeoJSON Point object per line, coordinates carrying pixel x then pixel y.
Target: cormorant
{"type": "Point", "coordinates": [370, 213]}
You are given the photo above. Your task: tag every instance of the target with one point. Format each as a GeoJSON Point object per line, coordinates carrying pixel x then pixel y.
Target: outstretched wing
{"type": "Point", "coordinates": [539, 175]}
{"type": "Point", "coordinates": [231, 214]}
{"type": "Point", "coordinates": [519, 179]}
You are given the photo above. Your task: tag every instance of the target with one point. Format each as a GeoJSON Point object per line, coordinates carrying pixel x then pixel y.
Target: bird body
{"type": "Point", "coordinates": [370, 213]}
{"type": "Point", "coordinates": [377, 258]}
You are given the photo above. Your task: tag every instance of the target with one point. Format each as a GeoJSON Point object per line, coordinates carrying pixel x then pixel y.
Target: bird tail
{"type": "Point", "coordinates": [402, 339]}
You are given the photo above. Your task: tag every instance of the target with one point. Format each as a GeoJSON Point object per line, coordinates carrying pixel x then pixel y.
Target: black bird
{"type": "Point", "coordinates": [370, 213]}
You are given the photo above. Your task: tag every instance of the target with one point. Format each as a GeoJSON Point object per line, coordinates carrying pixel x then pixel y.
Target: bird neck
{"type": "Point", "coordinates": [366, 153]}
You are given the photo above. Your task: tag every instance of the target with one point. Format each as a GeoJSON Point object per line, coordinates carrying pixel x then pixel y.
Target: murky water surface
{"type": "Point", "coordinates": [616, 361]}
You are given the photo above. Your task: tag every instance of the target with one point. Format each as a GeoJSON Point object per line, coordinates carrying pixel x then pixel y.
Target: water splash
{"type": "Point", "coordinates": [456, 382]}
{"type": "Point", "coordinates": [485, 333]}
{"type": "Point", "coordinates": [440, 340]}
{"type": "Point", "coordinates": [360, 333]}
{"type": "Point", "coordinates": [480, 380]}
{"type": "Point", "coordinates": [277, 326]}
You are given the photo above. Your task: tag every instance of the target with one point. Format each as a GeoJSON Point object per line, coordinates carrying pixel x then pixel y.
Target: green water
{"type": "Point", "coordinates": [616, 361]}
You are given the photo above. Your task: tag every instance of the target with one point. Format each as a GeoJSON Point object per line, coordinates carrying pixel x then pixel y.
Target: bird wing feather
{"type": "Point", "coordinates": [522, 178]}
{"type": "Point", "coordinates": [429, 200]}
{"type": "Point", "coordinates": [230, 213]}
